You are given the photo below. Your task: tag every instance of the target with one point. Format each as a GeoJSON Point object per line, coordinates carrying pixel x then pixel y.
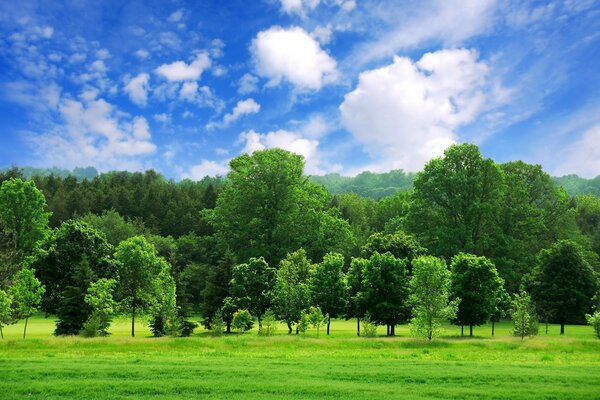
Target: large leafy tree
{"type": "Point", "coordinates": [564, 283]}
{"type": "Point", "coordinates": [329, 287]}
{"type": "Point", "coordinates": [252, 286]}
{"type": "Point", "coordinates": [67, 262]}
{"type": "Point", "coordinates": [356, 303]}
{"type": "Point", "coordinates": [138, 264]}
{"type": "Point", "coordinates": [400, 244]}
{"type": "Point", "coordinates": [430, 296]}
{"type": "Point", "coordinates": [292, 290]}
{"type": "Point", "coordinates": [23, 213]}
{"type": "Point", "coordinates": [268, 208]}
{"type": "Point", "coordinates": [475, 281]}
{"type": "Point", "coordinates": [26, 292]}
{"type": "Point", "coordinates": [456, 203]}
{"type": "Point", "coordinates": [384, 292]}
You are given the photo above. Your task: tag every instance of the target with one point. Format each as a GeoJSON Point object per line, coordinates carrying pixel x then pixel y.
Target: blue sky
{"type": "Point", "coordinates": [352, 85]}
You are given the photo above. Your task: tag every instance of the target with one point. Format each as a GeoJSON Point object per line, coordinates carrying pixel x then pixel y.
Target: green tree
{"type": "Point", "coordinates": [356, 304]}
{"type": "Point", "coordinates": [523, 316]}
{"type": "Point", "coordinates": [114, 226]}
{"type": "Point", "coordinates": [217, 286]}
{"type": "Point", "coordinates": [291, 294]}
{"type": "Point", "coordinates": [137, 264]}
{"type": "Point", "coordinates": [26, 292]}
{"type": "Point", "coordinates": [316, 318]}
{"type": "Point", "coordinates": [5, 311]}
{"type": "Point", "coordinates": [430, 296]}
{"type": "Point", "coordinates": [564, 282]}
{"type": "Point", "coordinates": [328, 286]}
{"type": "Point", "coordinates": [385, 290]}
{"type": "Point", "coordinates": [594, 321]}
{"type": "Point", "coordinates": [242, 321]}
{"type": "Point", "coordinates": [269, 323]}
{"type": "Point", "coordinates": [252, 287]}
{"type": "Point", "coordinates": [400, 244]}
{"type": "Point", "coordinates": [23, 213]}
{"type": "Point", "coordinates": [99, 298]}
{"type": "Point", "coordinates": [456, 203]}
{"type": "Point", "coordinates": [163, 304]}
{"type": "Point", "coordinates": [477, 284]}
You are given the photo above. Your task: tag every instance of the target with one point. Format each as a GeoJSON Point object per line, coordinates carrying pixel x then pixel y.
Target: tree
{"type": "Point", "coordinates": [242, 321]}
{"type": "Point", "coordinates": [5, 311]}
{"type": "Point", "coordinates": [594, 321]}
{"type": "Point", "coordinates": [26, 292]}
{"type": "Point", "coordinates": [356, 304]}
{"type": "Point", "coordinates": [523, 316]}
{"type": "Point", "coordinates": [563, 282]}
{"type": "Point", "coordinates": [430, 296]}
{"type": "Point", "coordinates": [163, 304]}
{"type": "Point", "coordinates": [269, 323]}
{"type": "Point", "coordinates": [456, 202]}
{"type": "Point", "coordinates": [99, 298]}
{"type": "Point", "coordinates": [328, 286]}
{"type": "Point", "coordinates": [217, 286]}
{"type": "Point", "coordinates": [252, 287]}
{"type": "Point", "coordinates": [291, 294]}
{"type": "Point", "coordinates": [477, 284]}
{"type": "Point", "coordinates": [23, 213]}
{"type": "Point", "coordinates": [385, 290]}
{"type": "Point", "coordinates": [316, 318]}
{"type": "Point", "coordinates": [67, 262]}
{"type": "Point", "coordinates": [400, 244]}
{"type": "Point", "coordinates": [137, 264]}
{"type": "Point", "coordinates": [114, 226]}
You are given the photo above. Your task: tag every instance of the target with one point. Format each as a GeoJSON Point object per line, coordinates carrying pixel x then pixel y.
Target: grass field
{"type": "Point", "coordinates": [341, 366]}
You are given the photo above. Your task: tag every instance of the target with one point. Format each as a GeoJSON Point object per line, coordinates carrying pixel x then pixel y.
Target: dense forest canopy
{"type": "Point", "coordinates": [268, 240]}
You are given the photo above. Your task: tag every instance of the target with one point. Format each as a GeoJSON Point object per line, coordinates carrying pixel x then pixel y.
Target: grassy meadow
{"type": "Point", "coordinates": [341, 366]}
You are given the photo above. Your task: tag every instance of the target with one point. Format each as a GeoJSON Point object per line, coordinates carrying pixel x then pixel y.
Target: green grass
{"type": "Point", "coordinates": [286, 367]}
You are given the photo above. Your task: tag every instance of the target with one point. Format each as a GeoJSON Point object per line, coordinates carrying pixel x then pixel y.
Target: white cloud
{"type": "Point", "coordinates": [163, 118]}
{"type": "Point", "coordinates": [285, 140]}
{"type": "Point", "coordinates": [315, 127]}
{"type": "Point", "coordinates": [206, 168]}
{"type": "Point", "coordinates": [94, 132]}
{"type": "Point", "coordinates": [581, 157]}
{"type": "Point", "coordinates": [248, 106]}
{"type": "Point", "coordinates": [175, 16]}
{"type": "Point", "coordinates": [180, 71]}
{"type": "Point", "coordinates": [322, 33]}
{"type": "Point", "coordinates": [247, 84]}
{"type": "Point", "coordinates": [298, 7]}
{"type": "Point", "coordinates": [292, 54]}
{"type": "Point", "coordinates": [142, 54]}
{"type": "Point", "coordinates": [407, 112]}
{"type": "Point", "coordinates": [188, 91]}
{"type": "Point", "coordinates": [37, 97]}
{"type": "Point", "coordinates": [103, 54]}
{"type": "Point", "coordinates": [137, 89]}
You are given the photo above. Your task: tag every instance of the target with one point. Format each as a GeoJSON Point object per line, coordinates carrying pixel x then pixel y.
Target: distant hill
{"type": "Point", "coordinates": [575, 185]}
{"type": "Point", "coordinates": [367, 184]}
{"type": "Point", "coordinates": [79, 173]}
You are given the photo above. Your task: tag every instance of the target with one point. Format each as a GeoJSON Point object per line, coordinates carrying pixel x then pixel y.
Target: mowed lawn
{"type": "Point", "coordinates": [341, 366]}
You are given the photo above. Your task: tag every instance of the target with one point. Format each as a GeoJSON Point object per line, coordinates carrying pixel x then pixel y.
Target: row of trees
{"type": "Point", "coordinates": [461, 204]}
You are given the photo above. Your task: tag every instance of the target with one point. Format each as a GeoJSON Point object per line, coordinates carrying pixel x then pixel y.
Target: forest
{"type": "Point", "coordinates": [466, 240]}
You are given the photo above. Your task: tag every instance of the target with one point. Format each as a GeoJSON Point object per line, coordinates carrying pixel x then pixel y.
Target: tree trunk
{"type": "Point", "coordinates": [259, 325]}
{"type": "Point", "coordinates": [462, 330]}
{"type": "Point", "coordinates": [387, 330]}
{"type": "Point", "coordinates": [1, 333]}
{"type": "Point", "coordinates": [289, 328]}
{"type": "Point", "coordinates": [562, 328]}
{"type": "Point", "coordinates": [228, 327]}
{"type": "Point", "coordinates": [133, 321]}
{"type": "Point", "coordinates": [328, 323]}
{"type": "Point", "coordinates": [471, 330]}
{"type": "Point", "coordinates": [393, 330]}
{"type": "Point", "coordinates": [546, 326]}
{"type": "Point", "coordinates": [25, 330]}
{"type": "Point", "coordinates": [493, 324]}
{"type": "Point", "coordinates": [357, 326]}
{"type": "Point", "coordinates": [297, 329]}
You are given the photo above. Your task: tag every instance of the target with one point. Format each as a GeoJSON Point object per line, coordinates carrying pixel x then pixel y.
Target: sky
{"type": "Point", "coordinates": [183, 87]}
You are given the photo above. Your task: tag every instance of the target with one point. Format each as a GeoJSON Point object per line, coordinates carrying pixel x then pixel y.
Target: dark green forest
{"type": "Point", "coordinates": [271, 242]}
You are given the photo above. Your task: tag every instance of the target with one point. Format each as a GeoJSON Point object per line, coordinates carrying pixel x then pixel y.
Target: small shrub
{"type": "Point", "coordinates": [304, 323]}
{"type": "Point", "coordinates": [594, 321]}
{"type": "Point", "coordinates": [242, 321]}
{"type": "Point", "coordinates": [217, 324]}
{"type": "Point", "coordinates": [91, 328]}
{"type": "Point", "coordinates": [269, 324]}
{"type": "Point", "coordinates": [185, 328]}
{"type": "Point", "coordinates": [369, 327]}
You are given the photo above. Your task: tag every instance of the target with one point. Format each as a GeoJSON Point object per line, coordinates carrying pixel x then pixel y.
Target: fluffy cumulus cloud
{"type": "Point", "coordinates": [206, 168]}
{"type": "Point", "coordinates": [181, 71]}
{"type": "Point", "coordinates": [137, 89]}
{"type": "Point", "coordinates": [247, 84]}
{"type": "Point", "coordinates": [303, 7]}
{"type": "Point", "coordinates": [293, 55]}
{"type": "Point", "coordinates": [94, 132]}
{"type": "Point", "coordinates": [286, 140]}
{"type": "Point", "coordinates": [407, 112]}
{"type": "Point", "coordinates": [248, 106]}
{"type": "Point", "coordinates": [582, 157]}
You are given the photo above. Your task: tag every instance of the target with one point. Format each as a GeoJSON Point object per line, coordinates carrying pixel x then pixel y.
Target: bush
{"type": "Point", "coordinates": [91, 328]}
{"type": "Point", "coordinates": [304, 323]}
{"type": "Point", "coordinates": [269, 324]}
{"type": "Point", "coordinates": [217, 324]}
{"type": "Point", "coordinates": [185, 328]}
{"type": "Point", "coordinates": [242, 321]}
{"type": "Point", "coordinates": [594, 321]}
{"type": "Point", "coordinates": [369, 328]}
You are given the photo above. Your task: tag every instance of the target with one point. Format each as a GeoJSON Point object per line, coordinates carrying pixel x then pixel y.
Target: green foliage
{"type": "Point", "coordinates": [575, 185]}
{"type": "Point", "coordinates": [563, 283]}
{"type": "Point", "coordinates": [367, 184]}
{"type": "Point", "coordinates": [242, 321]}
{"type": "Point", "coordinates": [316, 318]}
{"type": "Point", "coordinates": [115, 227]}
{"type": "Point", "coordinates": [356, 304]}
{"type": "Point", "coordinates": [269, 324]}
{"type": "Point", "coordinates": [292, 290]}
{"type": "Point", "coordinates": [138, 265]}
{"type": "Point", "coordinates": [384, 291]}
{"type": "Point", "coordinates": [588, 218]}
{"type": "Point", "coordinates": [5, 310]}
{"type": "Point", "coordinates": [399, 244]}
{"type": "Point", "coordinates": [23, 213]}
{"type": "Point", "coordinates": [26, 293]}
{"type": "Point", "coordinates": [217, 324]}
{"type": "Point", "coordinates": [594, 321]}
{"type": "Point", "coordinates": [523, 316]}
{"type": "Point", "coordinates": [328, 286]}
{"type": "Point", "coordinates": [100, 299]}
{"type": "Point", "coordinates": [430, 296]}
{"type": "Point", "coordinates": [369, 327]}
{"type": "Point", "coordinates": [217, 285]}
{"type": "Point", "coordinates": [477, 284]}
{"type": "Point", "coordinates": [252, 286]}
{"type": "Point", "coordinates": [303, 323]}
{"type": "Point", "coordinates": [163, 304]}
{"type": "Point", "coordinates": [227, 310]}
